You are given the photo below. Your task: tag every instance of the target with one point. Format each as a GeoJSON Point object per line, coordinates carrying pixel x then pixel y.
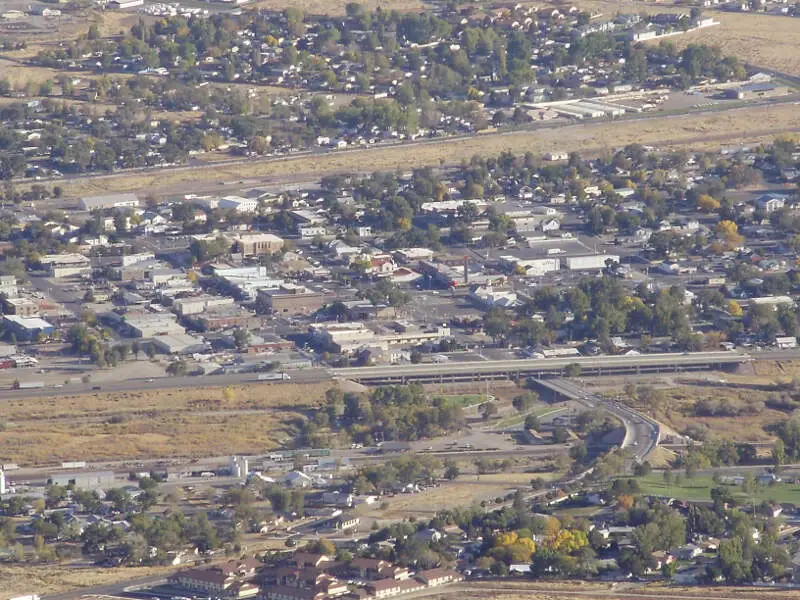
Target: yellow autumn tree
{"type": "Point", "coordinates": [552, 527]}
{"type": "Point", "coordinates": [506, 539]}
{"type": "Point", "coordinates": [734, 308]}
{"type": "Point", "coordinates": [625, 502]}
{"type": "Point", "coordinates": [521, 551]}
{"type": "Point", "coordinates": [707, 203]}
{"type": "Point", "coordinates": [729, 232]}
{"type": "Point", "coordinates": [568, 541]}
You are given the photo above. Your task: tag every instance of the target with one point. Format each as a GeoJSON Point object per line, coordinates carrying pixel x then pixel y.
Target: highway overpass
{"type": "Point", "coordinates": [541, 368]}
{"type": "Point", "coordinates": [642, 433]}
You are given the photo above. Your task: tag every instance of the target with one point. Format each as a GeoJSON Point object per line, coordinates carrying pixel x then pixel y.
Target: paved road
{"type": "Point", "coordinates": [465, 371]}
{"type": "Point", "coordinates": [641, 433]}
{"type": "Point", "coordinates": [478, 369]}
{"type": "Point", "coordinates": [110, 589]}
{"type": "Point", "coordinates": [158, 383]}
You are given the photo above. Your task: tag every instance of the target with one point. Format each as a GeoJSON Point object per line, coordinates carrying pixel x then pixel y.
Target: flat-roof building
{"type": "Point", "coordinates": [27, 328]}
{"type": "Point", "coordinates": [256, 244]}
{"type": "Point", "coordinates": [85, 480]}
{"type": "Point", "coordinates": [291, 299]}
{"type": "Point", "coordinates": [107, 201]}
{"type": "Point", "coordinates": [22, 307]}
{"type": "Point", "coordinates": [66, 265]}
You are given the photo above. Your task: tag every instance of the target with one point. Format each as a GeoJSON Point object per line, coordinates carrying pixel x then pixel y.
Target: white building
{"type": "Point", "coordinates": [66, 265]}
{"type": "Point", "coordinates": [8, 286]}
{"type": "Point", "coordinates": [239, 467]}
{"type": "Point", "coordinates": [107, 201]}
{"type": "Point", "coordinates": [591, 262]}
{"type": "Point", "coordinates": [197, 304]}
{"type": "Point", "coordinates": [238, 204]}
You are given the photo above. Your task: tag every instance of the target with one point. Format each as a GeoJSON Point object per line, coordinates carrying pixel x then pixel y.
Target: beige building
{"type": "Point", "coordinates": [22, 307]}
{"type": "Point", "coordinates": [292, 299]}
{"type": "Point", "coordinates": [256, 244]}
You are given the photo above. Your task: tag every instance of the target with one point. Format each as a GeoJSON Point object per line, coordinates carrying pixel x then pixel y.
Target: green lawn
{"type": "Point", "coordinates": [464, 399]}
{"type": "Point", "coordinates": [698, 489]}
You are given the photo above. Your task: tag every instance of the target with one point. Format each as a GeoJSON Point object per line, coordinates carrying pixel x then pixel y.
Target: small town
{"type": "Point", "coordinates": [409, 298]}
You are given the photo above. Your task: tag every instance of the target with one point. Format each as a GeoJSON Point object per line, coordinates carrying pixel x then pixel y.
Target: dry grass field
{"type": "Point", "coordinates": [678, 412]}
{"type": "Point", "coordinates": [759, 40]}
{"type": "Point", "coordinates": [468, 489]}
{"type": "Point", "coordinates": [697, 131]}
{"type": "Point", "coordinates": [22, 580]}
{"type": "Point", "coordinates": [192, 422]}
{"type": "Point", "coordinates": [564, 590]}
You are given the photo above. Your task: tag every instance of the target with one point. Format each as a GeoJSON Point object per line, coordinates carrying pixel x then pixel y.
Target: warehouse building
{"type": "Point", "coordinates": [756, 90]}
{"type": "Point", "coordinates": [85, 480]}
{"type": "Point", "coordinates": [27, 328]}
{"type": "Point", "coordinates": [179, 343]}
{"type": "Point", "coordinates": [66, 265]}
{"type": "Point", "coordinates": [109, 201]}
{"type": "Point", "coordinates": [591, 262]}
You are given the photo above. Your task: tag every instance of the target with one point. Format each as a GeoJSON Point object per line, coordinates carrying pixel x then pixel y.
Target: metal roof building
{"type": "Point", "coordinates": [109, 201]}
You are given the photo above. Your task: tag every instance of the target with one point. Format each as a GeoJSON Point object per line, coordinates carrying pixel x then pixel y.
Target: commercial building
{"type": "Point", "coordinates": [197, 304]}
{"type": "Point", "coordinates": [225, 317]}
{"type": "Point", "coordinates": [85, 480]}
{"type": "Point", "coordinates": [530, 267]}
{"type": "Point", "coordinates": [109, 201]}
{"type": "Point", "coordinates": [457, 272]}
{"type": "Point", "coordinates": [256, 244]}
{"type": "Point", "coordinates": [238, 204]}
{"type": "Point", "coordinates": [756, 90]}
{"type": "Point", "coordinates": [66, 265]}
{"type": "Point", "coordinates": [147, 325]}
{"type": "Point", "coordinates": [123, 4]}
{"type": "Point", "coordinates": [178, 343]}
{"type": "Point", "coordinates": [246, 281]}
{"type": "Point", "coordinates": [269, 341]}
{"type": "Point", "coordinates": [291, 299]}
{"type": "Point", "coordinates": [8, 286]}
{"type": "Point", "coordinates": [22, 307]}
{"type": "Point", "coordinates": [591, 262]}
{"type": "Point", "coordinates": [27, 328]}
{"type": "Point", "coordinates": [348, 338]}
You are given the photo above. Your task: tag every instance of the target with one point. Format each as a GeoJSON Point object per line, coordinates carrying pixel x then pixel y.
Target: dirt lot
{"type": "Point", "coordinates": [697, 131]}
{"type": "Point", "coordinates": [192, 422]}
